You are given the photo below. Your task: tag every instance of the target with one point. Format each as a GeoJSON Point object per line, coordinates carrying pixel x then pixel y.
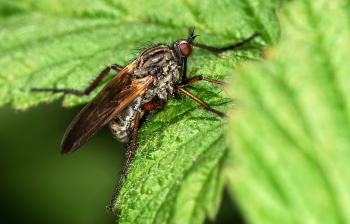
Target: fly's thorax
{"type": "Point", "coordinates": [152, 60]}
{"type": "Point", "coordinates": [162, 62]}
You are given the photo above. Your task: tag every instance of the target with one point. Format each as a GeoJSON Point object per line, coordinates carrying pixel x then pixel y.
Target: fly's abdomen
{"type": "Point", "coordinates": [122, 125]}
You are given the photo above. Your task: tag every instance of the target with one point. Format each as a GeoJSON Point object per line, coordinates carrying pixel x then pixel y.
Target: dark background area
{"type": "Point", "coordinates": [39, 185]}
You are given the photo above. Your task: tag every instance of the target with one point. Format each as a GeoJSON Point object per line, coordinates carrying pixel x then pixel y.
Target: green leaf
{"type": "Point", "coordinates": [177, 175]}
{"type": "Point", "coordinates": [291, 147]}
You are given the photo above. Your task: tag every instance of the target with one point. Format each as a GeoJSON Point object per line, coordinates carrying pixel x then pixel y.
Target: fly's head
{"type": "Point", "coordinates": [183, 47]}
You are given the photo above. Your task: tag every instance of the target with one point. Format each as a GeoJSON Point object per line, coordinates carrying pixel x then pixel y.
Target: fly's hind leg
{"type": "Point", "coordinates": [131, 150]}
{"type": "Point", "coordinates": [86, 91]}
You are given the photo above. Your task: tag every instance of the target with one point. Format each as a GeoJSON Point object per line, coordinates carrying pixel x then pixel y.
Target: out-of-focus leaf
{"type": "Point", "coordinates": [291, 139]}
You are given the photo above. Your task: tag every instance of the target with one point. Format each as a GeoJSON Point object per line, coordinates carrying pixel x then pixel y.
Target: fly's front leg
{"type": "Point", "coordinates": [188, 81]}
{"type": "Point", "coordinates": [93, 85]}
{"type": "Point", "coordinates": [230, 47]}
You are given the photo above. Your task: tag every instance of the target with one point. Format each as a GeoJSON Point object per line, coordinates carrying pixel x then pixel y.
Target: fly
{"type": "Point", "coordinates": [145, 84]}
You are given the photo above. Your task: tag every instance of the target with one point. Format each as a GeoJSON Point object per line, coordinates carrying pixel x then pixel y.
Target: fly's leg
{"type": "Point", "coordinates": [188, 81]}
{"type": "Point", "coordinates": [93, 85]}
{"type": "Point", "coordinates": [185, 82]}
{"type": "Point", "coordinates": [230, 47]}
{"type": "Point", "coordinates": [213, 49]}
{"type": "Point", "coordinates": [131, 151]}
{"type": "Point", "coordinates": [201, 102]}
{"type": "Point", "coordinates": [197, 78]}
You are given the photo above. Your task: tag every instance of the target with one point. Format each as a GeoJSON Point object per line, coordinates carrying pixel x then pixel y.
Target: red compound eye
{"type": "Point", "coordinates": [186, 49]}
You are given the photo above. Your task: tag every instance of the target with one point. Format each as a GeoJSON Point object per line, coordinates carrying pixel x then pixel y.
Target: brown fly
{"type": "Point", "coordinates": [145, 84]}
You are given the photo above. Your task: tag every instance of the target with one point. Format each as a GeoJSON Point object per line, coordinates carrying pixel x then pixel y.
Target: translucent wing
{"type": "Point", "coordinates": [113, 98]}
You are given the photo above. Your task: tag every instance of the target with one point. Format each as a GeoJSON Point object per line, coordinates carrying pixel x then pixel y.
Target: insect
{"type": "Point", "coordinates": [145, 84]}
